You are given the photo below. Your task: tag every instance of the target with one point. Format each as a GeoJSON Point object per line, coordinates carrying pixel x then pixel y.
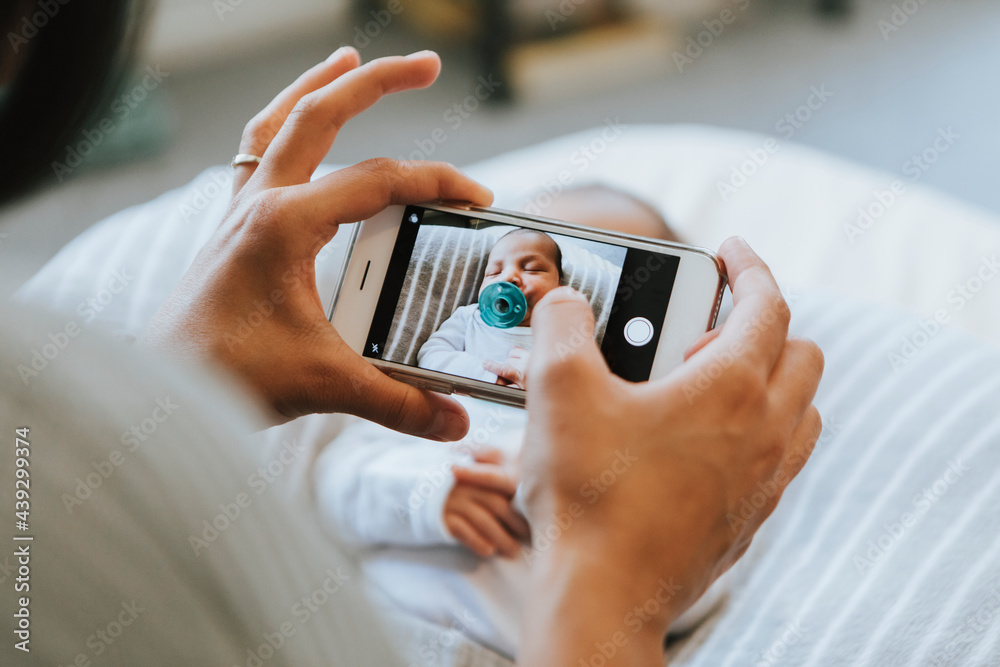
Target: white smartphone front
{"type": "Point", "coordinates": [413, 295]}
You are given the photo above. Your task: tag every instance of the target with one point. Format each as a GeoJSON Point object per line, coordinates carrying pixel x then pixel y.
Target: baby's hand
{"type": "Point", "coordinates": [478, 512]}
{"type": "Point", "coordinates": [511, 372]}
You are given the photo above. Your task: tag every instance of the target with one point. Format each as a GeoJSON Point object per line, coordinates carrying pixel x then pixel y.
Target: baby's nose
{"type": "Point", "coordinates": [512, 276]}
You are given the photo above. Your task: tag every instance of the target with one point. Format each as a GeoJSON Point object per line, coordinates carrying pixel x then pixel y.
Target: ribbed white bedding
{"type": "Point", "coordinates": [885, 551]}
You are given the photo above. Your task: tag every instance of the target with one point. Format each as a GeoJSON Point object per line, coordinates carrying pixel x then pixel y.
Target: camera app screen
{"type": "Point", "coordinates": [460, 291]}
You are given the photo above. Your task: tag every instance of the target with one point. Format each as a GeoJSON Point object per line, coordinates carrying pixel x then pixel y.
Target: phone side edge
{"type": "Point", "coordinates": [343, 269]}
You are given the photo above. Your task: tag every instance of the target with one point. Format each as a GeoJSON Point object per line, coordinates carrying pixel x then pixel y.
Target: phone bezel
{"type": "Point", "coordinates": [696, 296]}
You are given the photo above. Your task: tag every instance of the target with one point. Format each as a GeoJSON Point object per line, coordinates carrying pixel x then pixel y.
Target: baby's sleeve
{"type": "Point", "coordinates": [374, 486]}
{"type": "Point", "coordinates": [445, 350]}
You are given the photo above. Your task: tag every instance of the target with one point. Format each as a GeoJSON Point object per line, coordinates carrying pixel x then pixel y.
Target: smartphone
{"type": "Point", "coordinates": [431, 293]}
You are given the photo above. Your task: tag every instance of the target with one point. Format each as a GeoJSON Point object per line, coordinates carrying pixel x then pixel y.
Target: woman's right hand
{"type": "Point", "coordinates": [637, 493]}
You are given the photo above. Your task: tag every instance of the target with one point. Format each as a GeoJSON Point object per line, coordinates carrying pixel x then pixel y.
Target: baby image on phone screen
{"type": "Point", "coordinates": [467, 345]}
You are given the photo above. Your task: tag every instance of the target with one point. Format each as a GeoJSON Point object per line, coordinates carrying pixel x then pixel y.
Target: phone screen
{"type": "Point", "coordinates": [459, 293]}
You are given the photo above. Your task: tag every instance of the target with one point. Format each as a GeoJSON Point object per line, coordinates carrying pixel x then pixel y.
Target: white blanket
{"type": "Point", "coordinates": [904, 401]}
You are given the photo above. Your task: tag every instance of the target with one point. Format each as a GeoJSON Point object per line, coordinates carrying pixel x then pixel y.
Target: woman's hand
{"type": "Point", "coordinates": [638, 493]}
{"type": "Point", "coordinates": [261, 260]}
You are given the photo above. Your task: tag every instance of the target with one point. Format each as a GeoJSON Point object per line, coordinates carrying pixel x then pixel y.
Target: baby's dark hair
{"type": "Point", "coordinates": [557, 254]}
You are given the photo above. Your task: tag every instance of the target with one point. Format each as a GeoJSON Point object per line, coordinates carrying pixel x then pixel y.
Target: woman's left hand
{"type": "Point", "coordinates": [262, 258]}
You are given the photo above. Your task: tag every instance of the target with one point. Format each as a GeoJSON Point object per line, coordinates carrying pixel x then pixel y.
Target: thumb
{"type": "Point", "coordinates": [562, 325]}
{"type": "Point", "coordinates": [376, 397]}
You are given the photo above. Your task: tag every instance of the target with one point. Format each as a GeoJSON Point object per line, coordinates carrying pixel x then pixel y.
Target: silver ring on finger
{"type": "Point", "coordinates": [244, 159]}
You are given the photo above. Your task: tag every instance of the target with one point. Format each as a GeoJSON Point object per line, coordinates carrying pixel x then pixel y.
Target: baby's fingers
{"type": "Point", "coordinates": [489, 526]}
{"type": "Point", "coordinates": [486, 476]}
{"type": "Point", "coordinates": [501, 508]}
{"type": "Point", "coordinates": [507, 372]}
{"type": "Point", "coordinates": [464, 532]}
{"type": "Point", "coordinates": [488, 455]}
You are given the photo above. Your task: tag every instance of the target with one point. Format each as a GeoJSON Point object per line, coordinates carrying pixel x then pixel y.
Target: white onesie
{"type": "Point", "coordinates": [464, 341]}
{"type": "Point", "coordinates": [384, 493]}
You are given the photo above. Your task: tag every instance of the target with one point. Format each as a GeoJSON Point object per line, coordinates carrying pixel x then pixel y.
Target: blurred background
{"type": "Point", "coordinates": [884, 78]}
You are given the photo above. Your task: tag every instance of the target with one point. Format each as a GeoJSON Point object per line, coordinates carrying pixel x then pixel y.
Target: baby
{"type": "Point", "coordinates": [413, 505]}
{"type": "Point", "coordinates": [466, 345]}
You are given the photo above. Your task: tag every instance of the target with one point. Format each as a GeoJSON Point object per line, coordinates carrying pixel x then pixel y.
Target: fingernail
{"type": "Point", "coordinates": [336, 54]}
{"type": "Point", "coordinates": [420, 54]}
{"type": "Point", "coordinates": [447, 426]}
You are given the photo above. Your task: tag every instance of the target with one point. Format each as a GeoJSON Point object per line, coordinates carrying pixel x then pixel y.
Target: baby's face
{"type": "Point", "coordinates": [526, 260]}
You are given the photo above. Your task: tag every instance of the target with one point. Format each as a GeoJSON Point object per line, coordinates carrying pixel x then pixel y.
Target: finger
{"type": "Point", "coordinates": [356, 387]}
{"type": "Point", "coordinates": [262, 129]}
{"type": "Point", "coordinates": [501, 508]}
{"type": "Point", "coordinates": [796, 376]}
{"type": "Point", "coordinates": [486, 476]}
{"type": "Point", "coordinates": [562, 325]}
{"type": "Point", "coordinates": [701, 342]}
{"type": "Point", "coordinates": [487, 455]}
{"type": "Point", "coordinates": [505, 371]}
{"type": "Point", "coordinates": [490, 527]}
{"type": "Point", "coordinates": [758, 324]}
{"type": "Point", "coordinates": [314, 122]}
{"type": "Point", "coordinates": [803, 442]}
{"type": "Point", "coordinates": [463, 531]}
{"type": "Point", "coordinates": [358, 192]}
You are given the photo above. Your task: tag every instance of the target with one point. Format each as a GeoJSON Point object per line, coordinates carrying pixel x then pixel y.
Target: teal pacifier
{"type": "Point", "coordinates": [502, 305]}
